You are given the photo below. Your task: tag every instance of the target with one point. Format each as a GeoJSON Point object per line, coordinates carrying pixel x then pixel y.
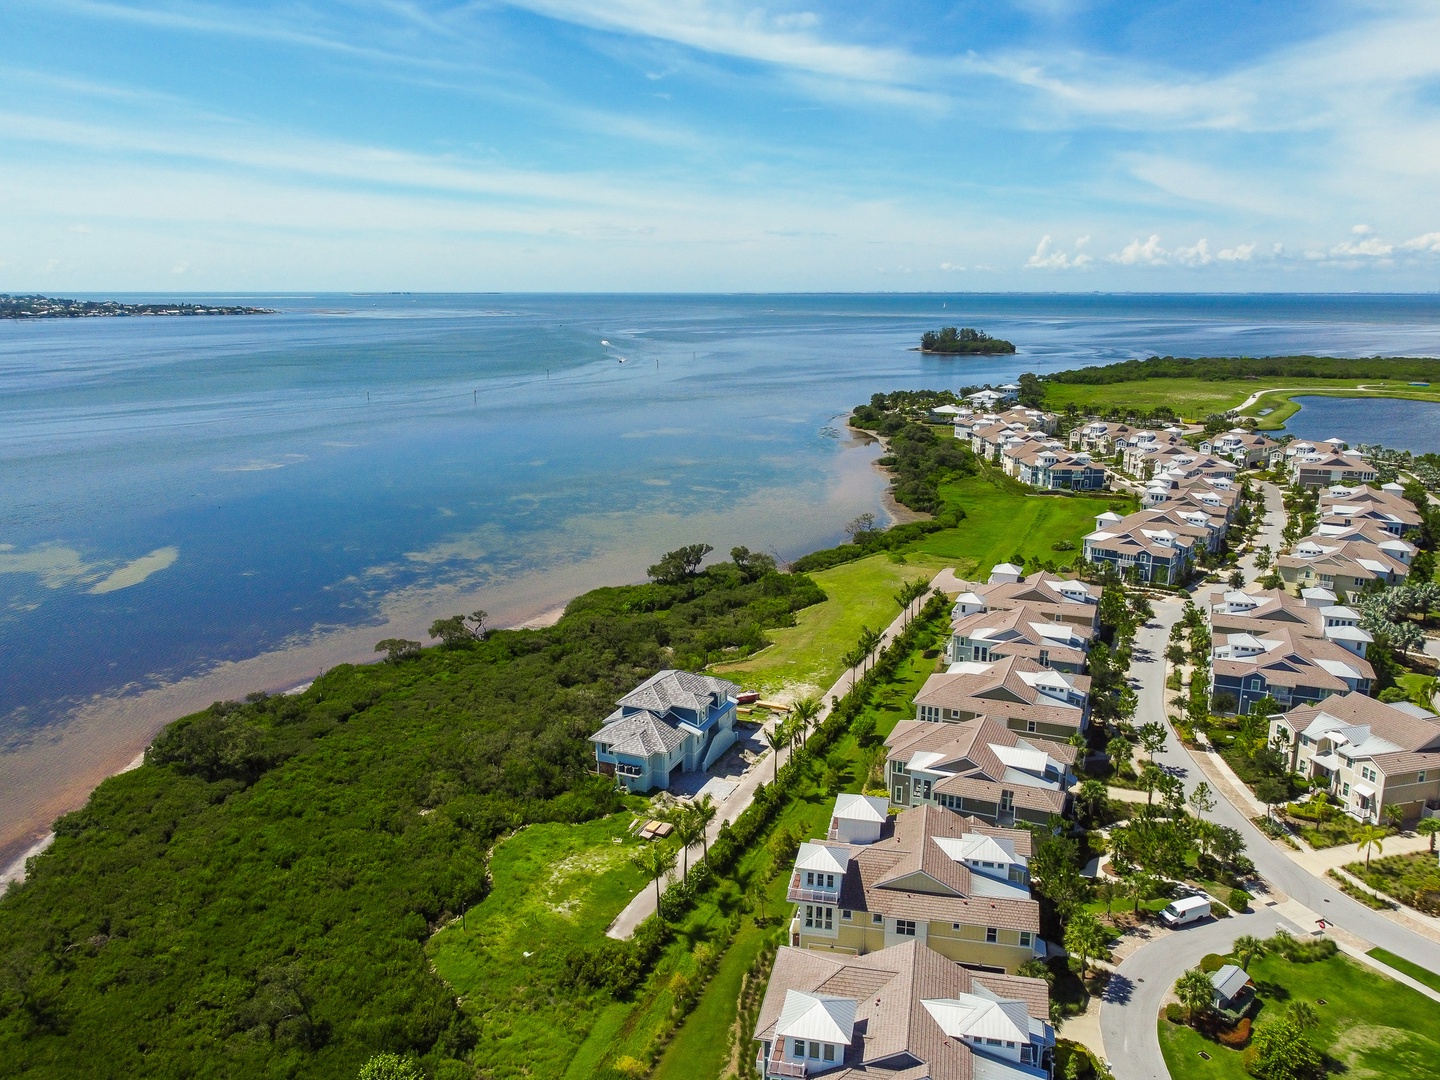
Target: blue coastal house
{"type": "Point", "coordinates": [672, 722]}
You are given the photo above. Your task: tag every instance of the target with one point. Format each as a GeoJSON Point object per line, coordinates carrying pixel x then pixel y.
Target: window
{"type": "Point", "coordinates": [992, 935]}
{"type": "Point", "coordinates": [1347, 790]}
{"type": "Point", "coordinates": [954, 926]}
{"type": "Point", "coordinates": [899, 795]}
{"type": "Point", "coordinates": [814, 1050]}
{"type": "Point", "coordinates": [992, 1042]}
{"type": "Point", "coordinates": [1025, 1052]}
{"type": "Point", "coordinates": [905, 927]}
{"type": "Point", "coordinates": [829, 1054]}
{"type": "Point", "coordinates": [1007, 801]}
{"type": "Point", "coordinates": [845, 914]}
{"type": "Point", "coordinates": [877, 919]}
{"type": "Point", "coordinates": [800, 1048]}
{"type": "Point", "coordinates": [818, 917]}
{"type": "Point", "coordinates": [1420, 777]}
{"type": "Point", "coordinates": [1044, 657]}
{"type": "Point", "coordinates": [1030, 726]}
{"type": "Point", "coordinates": [1027, 939]}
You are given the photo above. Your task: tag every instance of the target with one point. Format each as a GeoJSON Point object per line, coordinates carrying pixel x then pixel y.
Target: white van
{"type": "Point", "coordinates": [1184, 912]}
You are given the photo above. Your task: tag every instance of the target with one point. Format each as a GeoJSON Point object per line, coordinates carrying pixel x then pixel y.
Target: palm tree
{"type": "Point", "coordinates": [1085, 938]}
{"type": "Point", "coordinates": [1195, 992]}
{"type": "Point", "coordinates": [654, 862]}
{"type": "Point", "coordinates": [1150, 777]}
{"type": "Point", "coordinates": [1247, 949]}
{"type": "Point", "coordinates": [803, 714]}
{"type": "Point", "coordinates": [704, 809]}
{"type": "Point", "coordinates": [1429, 827]}
{"type": "Point", "coordinates": [687, 830]}
{"type": "Point", "coordinates": [778, 736]}
{"type": "Point", "coordinates": [1371, 837]}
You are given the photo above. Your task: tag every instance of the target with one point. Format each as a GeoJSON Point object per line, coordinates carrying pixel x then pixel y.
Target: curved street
{"type": "Point", "coordinates": [1128, 1014]}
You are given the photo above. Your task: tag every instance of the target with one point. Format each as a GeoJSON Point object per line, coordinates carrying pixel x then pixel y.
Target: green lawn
{"type": "Point", "coordinates": [1371, 1026]}
{"type": "Point", "coordinates": [1407, 967]}
{"type": "Point", "coordinates": [555, 887]}
{"type": "Point", "coordinates": [806, 657]}
{"type": "Point", "coordinates": [1001, 520]}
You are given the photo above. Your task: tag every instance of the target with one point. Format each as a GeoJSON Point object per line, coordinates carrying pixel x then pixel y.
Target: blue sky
{"type": "Point", "coordinates": [709, 145]}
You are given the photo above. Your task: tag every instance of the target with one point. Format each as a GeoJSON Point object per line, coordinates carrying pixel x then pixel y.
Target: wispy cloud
{"type": "Point", "coordinates": [1047, 257]}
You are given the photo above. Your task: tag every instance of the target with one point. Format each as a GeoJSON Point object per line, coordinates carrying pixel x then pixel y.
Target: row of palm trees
{"type": "Point", "coordinates": [791, 731]}
{"type": "Point", "coordinates": [692, 825]}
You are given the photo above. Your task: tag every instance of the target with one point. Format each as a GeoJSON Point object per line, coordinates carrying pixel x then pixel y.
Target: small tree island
{"type": "Point", "coordinates": [965, 341]}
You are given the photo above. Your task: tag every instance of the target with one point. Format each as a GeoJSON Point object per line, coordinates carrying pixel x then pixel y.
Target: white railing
{"type": "Point", "coordinates": [777, 1065]}
{"type": "Point", "coordinates": [810, 893]}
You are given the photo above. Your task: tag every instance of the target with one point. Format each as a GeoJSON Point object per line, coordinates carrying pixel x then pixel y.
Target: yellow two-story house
{"type": "Point", "coordinates": [954, 884]}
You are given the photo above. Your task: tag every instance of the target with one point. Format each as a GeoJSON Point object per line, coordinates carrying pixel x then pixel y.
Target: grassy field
{"type": "Point", "coordinates": [806, 657]}
{"type": "Point", "coordinates": [1371, 1025]}
{"type": "Point", "coordinates": [1001, 521]}
{"type": "Point", "coordinates": [554, 887]}
{"type": "Point", "coordinates": [1407, 967]}
{"type": "Point", "coordinates": [1197, 398]}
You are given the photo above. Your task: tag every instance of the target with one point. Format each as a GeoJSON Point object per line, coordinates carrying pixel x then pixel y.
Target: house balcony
{"type": "Point", "coordinates": [798, 893]}
{"type": "Point", "coordinates": [777, 1065]}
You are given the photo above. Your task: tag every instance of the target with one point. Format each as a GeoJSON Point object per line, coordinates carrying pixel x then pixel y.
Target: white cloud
{"type": "Point", "coordinates": [1199, 255]}
{"type": "Point", "coordinates": [1150, 253]}
{"type": "Point", "coordinates": [1430, 243]}
{"type": "Point", "coordinates": [1239, 253]}
{"type": "Point", "coordinates": [1369, 246]}
{"type": "Point", "coordinates": [949, 267]}
{"type": "Point", "coordinates": [1046, 259]}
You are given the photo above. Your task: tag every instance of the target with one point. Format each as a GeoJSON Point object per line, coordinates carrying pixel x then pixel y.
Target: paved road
{"type": "Point", "coordinates": [1270, 530]}
{"type": "Point", "coordinates": [1127, 1018]}
{"type": "Point", "coordinates": [1131, 1003]}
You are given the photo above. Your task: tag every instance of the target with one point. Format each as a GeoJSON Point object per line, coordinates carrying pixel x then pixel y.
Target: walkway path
{"type": "Point", "coordinates": [761, 772]}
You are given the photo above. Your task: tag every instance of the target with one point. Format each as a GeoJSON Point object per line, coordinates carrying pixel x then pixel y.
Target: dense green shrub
{"type": "Point", "coordinates": [1239, 900]}
{"type": "Point", "coordinates": [1175, 1013]}
{"type": "Point", "coordinates": [1212, 962]}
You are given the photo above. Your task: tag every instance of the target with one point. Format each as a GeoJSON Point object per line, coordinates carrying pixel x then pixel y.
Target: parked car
{"type": "Point", "coordinates": [1190, 909]}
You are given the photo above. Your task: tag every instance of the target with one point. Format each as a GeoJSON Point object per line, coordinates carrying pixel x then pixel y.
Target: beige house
{"type": "Point", "coordinates": [903, 1013]}
{"type": "Point", "coordinates": [1346, 561]}
{"type": "Point", "coordinates": [1314, 614]}
{"type": "Point", "coordinates": [954, 884]}
{"type": "Point", "coordinates": [1014, 690]}
{"type": "Point", "coordinates": [1370, 755]}
{"type": "Point", "coordinates": [978, 767]}
{"type": "Point", "coordinates": [1328, 467]}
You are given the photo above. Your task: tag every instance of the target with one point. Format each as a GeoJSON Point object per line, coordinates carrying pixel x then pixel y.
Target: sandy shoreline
{"type": "Point", "coordinates": [65, 763]}
{"type": "Point", "coordinates": [62, 764]}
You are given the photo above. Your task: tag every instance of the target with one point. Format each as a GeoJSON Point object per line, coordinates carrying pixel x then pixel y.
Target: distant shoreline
{"type": "Point", "coordinates": [23, 308]}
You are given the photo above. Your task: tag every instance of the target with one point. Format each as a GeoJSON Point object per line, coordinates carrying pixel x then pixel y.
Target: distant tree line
{"type": "Point", "coordinates": [964, 340]}
{"type": "Point", "coordinates": [1225, 369]}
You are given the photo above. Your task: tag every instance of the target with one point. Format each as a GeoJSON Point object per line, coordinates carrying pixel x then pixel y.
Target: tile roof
{"type": "Point", "coordinates": [897, 1036]}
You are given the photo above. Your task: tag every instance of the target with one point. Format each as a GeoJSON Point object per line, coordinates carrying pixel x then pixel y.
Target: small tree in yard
{"type": "Point", "coordinates": [1429, 827]}
{"type": "Point", "coordinates": [1196, 993]}
{"type": "Point", "coordinates": [1271, 791]}
{"type": "Point", "coordinates": [1371, 837]}
{"type": "Point", "coordinates": [1247, 949]}
{"type": "Point", "coordinates": [1394, 815]}
{"type": "Point", "coordinates": [1120, 750]}
{"type": "Point", "coordinates": [1085, 938]}
{"type": "Point", "coordinates": [1280, 1051]}
{"type": "Point", "coordinates": [1152, 737]}
{"type": "Point", "coordinates": [705, 810]}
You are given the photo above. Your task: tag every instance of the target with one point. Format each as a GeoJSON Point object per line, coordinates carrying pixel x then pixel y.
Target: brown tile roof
{"type": "Point", "coordinates": [1397, 726]}
{"type": "Point", "coordinates": [896, 1037]}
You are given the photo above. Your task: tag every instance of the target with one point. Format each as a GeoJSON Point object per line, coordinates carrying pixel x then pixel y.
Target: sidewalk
{"type": "Point", "coordinates": [643, 905]}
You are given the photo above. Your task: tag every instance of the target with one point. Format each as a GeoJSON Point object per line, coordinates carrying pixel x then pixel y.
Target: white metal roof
{"type": "Point", "coordinates": [829, 860]}
{"type": "Point", "coordinates": [861, 808]}
{"type": "Point", "coordinates": [969, 1015]}
{"type": "Point", "coordinates": [821, 1017]}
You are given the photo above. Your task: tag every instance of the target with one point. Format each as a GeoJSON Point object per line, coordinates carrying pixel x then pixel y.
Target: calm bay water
{"type": "Point", "coordinates": [182, 494]}
{"type": "Point", "coordinates": [1400, 425]}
